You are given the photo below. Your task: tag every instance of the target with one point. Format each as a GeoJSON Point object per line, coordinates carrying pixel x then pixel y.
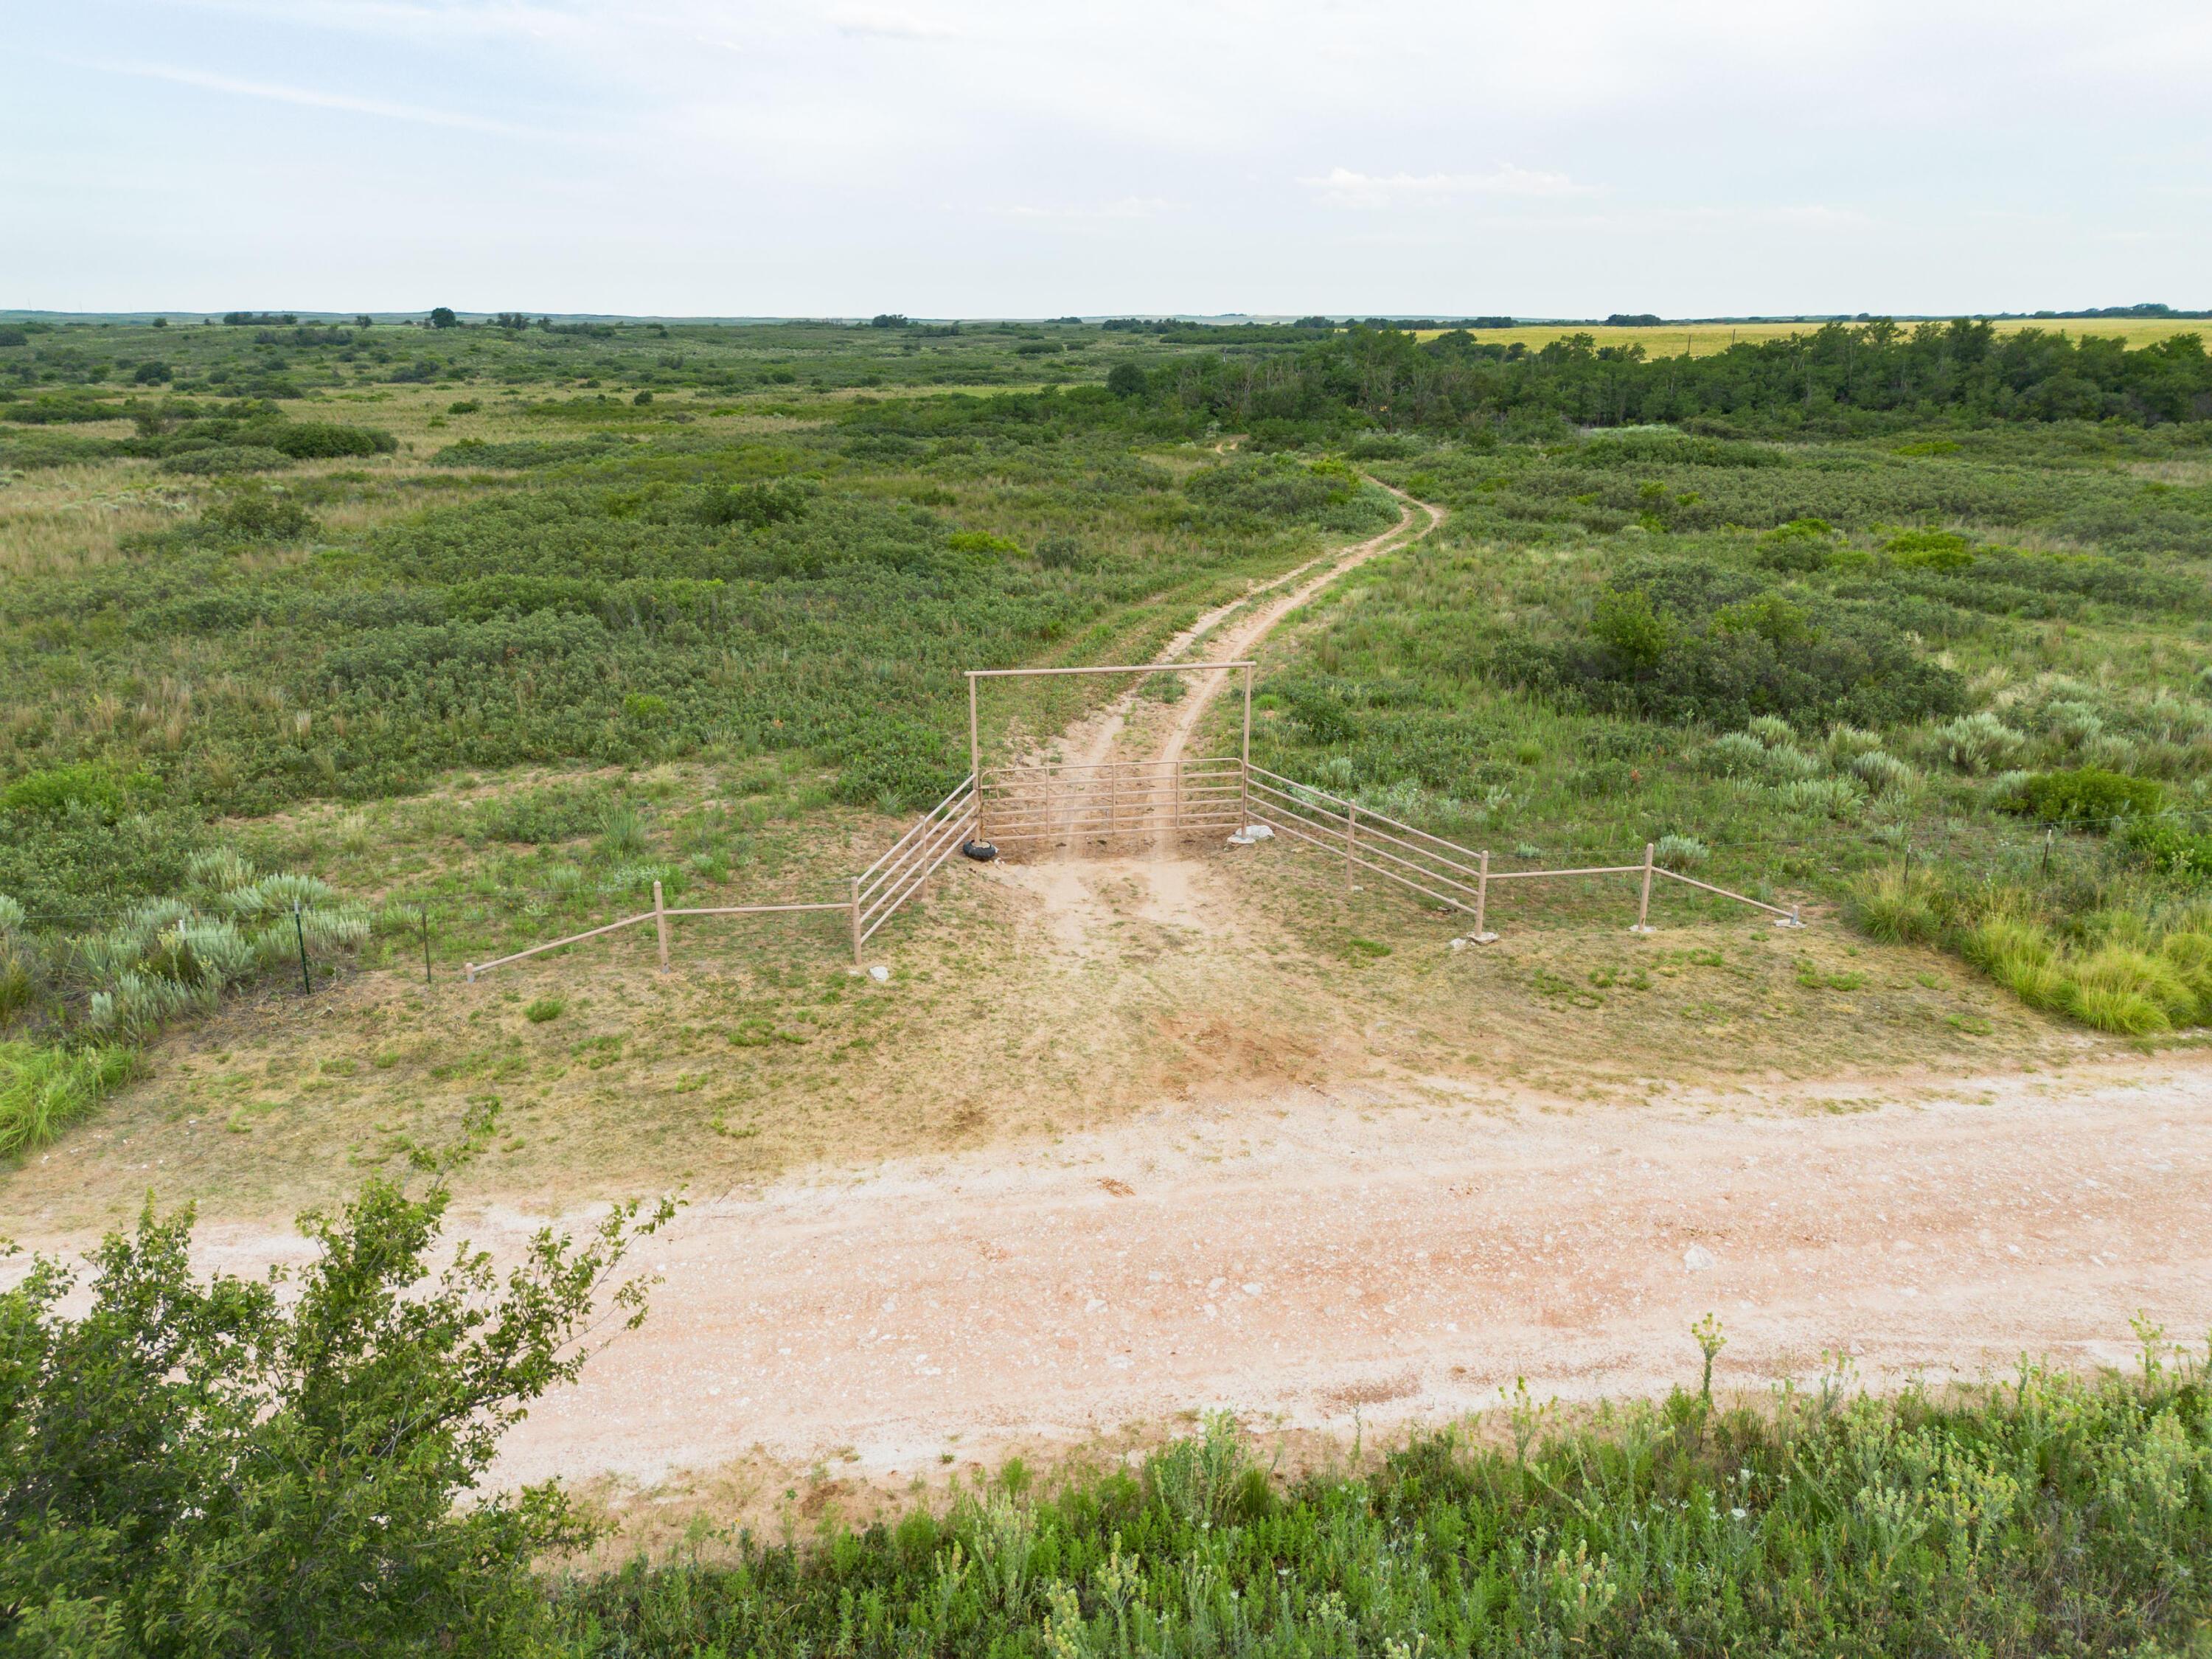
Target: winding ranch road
{"type": "Point", "coordinates": [1300, 1258]}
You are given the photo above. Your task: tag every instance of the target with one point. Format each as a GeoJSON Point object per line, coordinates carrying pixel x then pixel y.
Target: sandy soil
{"type": "Point", "coordinates": [1301, 1257]}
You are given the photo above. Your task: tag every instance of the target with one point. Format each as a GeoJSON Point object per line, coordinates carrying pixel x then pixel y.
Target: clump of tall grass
{"type": "Point", "coordinates": [1681, 854]}
{"type": "Point", "coordinates": [2137, 975]}
{"type": "Point", "coordinates": [1897, 907]}
{"type": "Point", "coordinates": [45, 1087]}
{"type": "Point", "coordinates": [2129, 992]}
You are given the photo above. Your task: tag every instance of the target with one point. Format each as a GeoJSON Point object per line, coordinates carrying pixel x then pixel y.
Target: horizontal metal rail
{"type": "Point", "coordinates": [470, 970]}
{"type": "Point", "coordinates": [1690, 881]}
{"type": "Point", "coordinates": [868, 931]}
{"type": "Point", "coordinates": [1366, 813]}
{"type": "Point", "coordinates": [918, 851]}
{"type": "Point", "coordinates": [1130, 668]}
{"type": "Point", "coordinates": [1345, 829]}
{"type": "Point", "coordinates": [966, 786]}
{"type": "Point", "coordinates": [928, 853]}
{"type": "Point", "coordinates": [1337, 850]}
{"type": "Point", "coordinates": [746, 910]}
{"type": "Point", "coordinates": [1366, 825]}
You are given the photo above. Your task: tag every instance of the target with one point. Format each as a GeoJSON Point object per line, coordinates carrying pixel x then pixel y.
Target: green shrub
{"type": "Point", "coordinates": [87, 787]}
{"type": "Point", "coordinates": [254, 513]}
{"type": "Point", "coordinates": [2169, 846]}
{"type": "Point", "coordinates": [2088, 796]}
{"type": "Point", "coordinates": [1930, 549]}
{"type": "Point", "coordinates": [980, 540]}
{"type": "Point", "coordinates": [304, 1473]}
{"type": "Point", "coordinates": [753, 506]}
{"type": "Point", "coordinates": [224, 459]}
{"type": "Point", "coordinates": [1802, 546]}
{"type": "Point", "coordinates": [544, 1010]}
{"type": "Point", "coordinates": [1680, 853]}
{"type": "Point", "coordinates": [316, 441]}
{"type": "Point", "coordinates": [554, 812]}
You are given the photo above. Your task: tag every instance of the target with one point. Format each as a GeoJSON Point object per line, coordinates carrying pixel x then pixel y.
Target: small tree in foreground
{"type": "Point", "coordinates": [225, 1468]}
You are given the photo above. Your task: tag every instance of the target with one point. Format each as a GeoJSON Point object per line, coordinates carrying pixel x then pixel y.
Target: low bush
{"type": "Point", "coordinates": [316, 441]}
{"type": "Point", "coordinates": [1931, 549]}
{"type": "Point", "coordinates": [222, 460]}
{"type": "Point", "coordinates": [2088, 796]}
{"type": "Point", "coordinates": [254, 513]}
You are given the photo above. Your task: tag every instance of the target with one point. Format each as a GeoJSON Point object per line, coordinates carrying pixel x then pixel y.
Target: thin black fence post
{"type": "Point", "coordinates": [299, 932]}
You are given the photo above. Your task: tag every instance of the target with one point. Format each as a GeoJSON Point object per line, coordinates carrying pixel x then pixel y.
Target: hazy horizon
{"type": "Point", "coordinates": [977, 158]}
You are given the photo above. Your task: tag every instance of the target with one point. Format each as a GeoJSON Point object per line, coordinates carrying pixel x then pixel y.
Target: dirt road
{"type": "Point", "coordinates": [1302, 1257]}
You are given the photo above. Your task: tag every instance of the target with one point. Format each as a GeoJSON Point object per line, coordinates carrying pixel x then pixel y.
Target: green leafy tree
{"type": "Point", "coordinates": [442, 317]}
{"type": "Point", "coordinates": [212, 1469]}
{"type": "Point", "coordinates": [1627, 625]}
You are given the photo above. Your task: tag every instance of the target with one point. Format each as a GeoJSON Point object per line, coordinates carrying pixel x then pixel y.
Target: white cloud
{"type": "Point", "coordinates": [308, 97]}
{"type": "Point", "coordinates": [887, 25]}
{"type": "Point", "coordinates": [1342, 187]}
{"type": "Point", "coordinates": [1129, 207]}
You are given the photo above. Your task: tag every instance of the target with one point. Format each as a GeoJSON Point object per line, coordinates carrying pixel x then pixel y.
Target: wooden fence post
{"type": "Point", "coordinates": [1351, 840]}
{"type": "Point", "coordinates": [1482, 934]}
{"type": "Point", "coordinates": [1644, 903]}
{"type": "Point", "coordinates": [856, 911]}
{"type": "Point", "coordinates": [661, 925]}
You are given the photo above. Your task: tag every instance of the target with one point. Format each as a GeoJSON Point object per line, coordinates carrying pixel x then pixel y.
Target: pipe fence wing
{"type": "Point", "coordinates": [1097, 803]}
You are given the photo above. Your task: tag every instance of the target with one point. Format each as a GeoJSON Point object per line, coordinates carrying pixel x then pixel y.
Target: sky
{"type": "Point", "coordinates": [1030, 158]}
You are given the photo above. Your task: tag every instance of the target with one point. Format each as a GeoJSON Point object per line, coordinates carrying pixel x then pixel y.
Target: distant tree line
{"type": "Point", "coordinates": [1838, 377]}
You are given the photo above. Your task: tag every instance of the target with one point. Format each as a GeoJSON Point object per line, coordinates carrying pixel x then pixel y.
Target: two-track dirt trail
{"type": "Point", "coordinates": [1146, 857]}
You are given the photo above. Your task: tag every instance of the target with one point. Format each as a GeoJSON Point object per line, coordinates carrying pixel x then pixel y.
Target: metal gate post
{"type": "Point", "coordinates": [1482, 934]}
{"type": "Point", "coordinates": [661, 925]}
{"type": "Point", "coordinates": [1644, 903]}
{"type": "Point", "coordinates": [974, 771]}
{"type": "Point", "coordinates": [1351, 840]}
{"type": "Point", "coordinates": [1244, 759]}
{"type": "Point", "coordinates": [856, 909]}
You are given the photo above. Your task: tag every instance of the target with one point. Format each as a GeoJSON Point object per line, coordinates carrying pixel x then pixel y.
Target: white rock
{"type": "Point", "coordinates": [880, 974]}
{"type": "Point", "coordinates": [1459, 944]}
{"type": "Point", "coordinates": [1252, 832]}
{"type": "Point", "coordinates": [1698, 1260]}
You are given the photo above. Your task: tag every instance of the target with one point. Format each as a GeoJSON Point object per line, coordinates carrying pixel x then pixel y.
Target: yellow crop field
{"type": "Point", "coordinates": [1702, 339]}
